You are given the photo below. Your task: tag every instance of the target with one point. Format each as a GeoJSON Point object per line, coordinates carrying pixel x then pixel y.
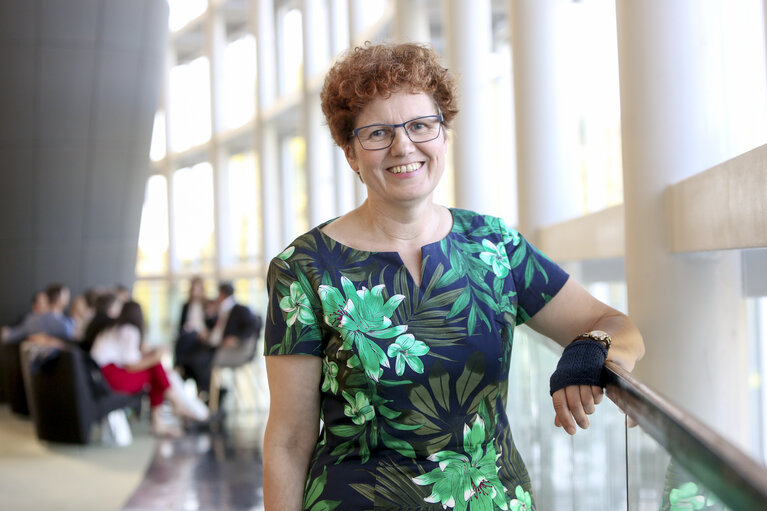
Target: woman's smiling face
{"type": "Point", "coordinates": [404, 173]}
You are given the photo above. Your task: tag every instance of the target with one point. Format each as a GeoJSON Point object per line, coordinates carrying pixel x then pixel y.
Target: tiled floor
{"type": "Point", "coordinates": [216, 471]}
{"type": "Point", "coordinates": [212, 470]}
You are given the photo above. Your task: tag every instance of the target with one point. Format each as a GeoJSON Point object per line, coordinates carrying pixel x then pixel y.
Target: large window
{"type": "Point", "coordinates": [238, 82]}
{"type": "Point", "coordinates": [153, 239]}
{"type": "Point", "coordinates": [294, 186]}
{"type": "Point", "coordinates": [184, 11]}
{"type": "Point", "coordinates": [189, 104]}
{"type": "Point", "coordinates": [158, 148]}
{"type": "Point", "coordinates": [242, 220]}
{"type": "Point", "coordinates": [193, 218]}
{"type": "Point", "coordinates": [590, 47]}
{"type": "Point", "coordinates": [291, 53]}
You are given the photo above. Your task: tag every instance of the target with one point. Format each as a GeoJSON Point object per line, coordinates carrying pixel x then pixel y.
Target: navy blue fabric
{"type": "Point", "coordinates": [581, 364]}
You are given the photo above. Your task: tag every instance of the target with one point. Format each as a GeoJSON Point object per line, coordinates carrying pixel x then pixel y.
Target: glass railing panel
{"type": "Point", "coordinates": [675, 462]}
{"type": "Point", "coordinates": [657, 481]}
{"type": "Point", "coordinates": [585, 471]}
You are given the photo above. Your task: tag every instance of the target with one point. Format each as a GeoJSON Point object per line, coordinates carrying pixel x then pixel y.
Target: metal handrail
{"type": "Point", "coordinates": [722, 467]}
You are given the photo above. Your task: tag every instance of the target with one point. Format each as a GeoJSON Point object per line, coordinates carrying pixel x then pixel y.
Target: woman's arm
{"type": "Point", "coordinates": [292, 428]}
{"type": "Point", "coordinates": [149, 359]}
{"type": "Point", "coordinates": [574, 311]}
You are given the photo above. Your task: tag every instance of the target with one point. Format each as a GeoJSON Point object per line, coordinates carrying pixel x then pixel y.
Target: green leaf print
{"type": "Point", "coordinates": [285, 254]}
{"type": "Point", "coordinates": [407, 349]}
{"type": "Point", "coordinates": [398, 445]}
{"type": "Point", "coordinates": [466, 480]}
{"type": "Point", "coordinates": [529, 272]}
{"type": "Point", "coordinates": [470, 377]}
{"type": "Point", "coordinates": [346, 430]}
{"type": "Point", "coordinates": [460, 304]}
{"type": "Point", "coordinates": [359, 408]}
{"type": "Point", "coordinates": [522, 502]}
{"type": "Point", "coordinates": [496, 258]}
{"type": "Point", "coordinates": [314, 492]}
{"type": "Point", "coordinates": [330, 372]}
{"type": "Point", "coordinates": [439, 381]}
{"type": "Point", "coordinates": [297, 306]}
{"type": "Point", "coordinates": [422, 401]}
{"type": "Point", "coordinates": [518, 256]}
{"type": "Point", "coordinates": [360, 315]}
{"type": "Point", "coordinates": [391, 479]}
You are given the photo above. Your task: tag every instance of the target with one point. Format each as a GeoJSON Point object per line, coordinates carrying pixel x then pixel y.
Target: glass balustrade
{"type": "Point", "coordinates": [679, 465]}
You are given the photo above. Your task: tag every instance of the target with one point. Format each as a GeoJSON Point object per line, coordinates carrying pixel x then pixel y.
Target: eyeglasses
{"type": "Point", "coordinates": [381, 136]}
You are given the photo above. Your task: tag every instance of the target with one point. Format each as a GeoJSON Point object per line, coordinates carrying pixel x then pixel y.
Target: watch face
{"type": "Point", "coordinates": [599, 335]}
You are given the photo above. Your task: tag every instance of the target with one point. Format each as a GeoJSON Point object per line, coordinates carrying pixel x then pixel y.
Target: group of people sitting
{"type": "Point", "coordinates": [109, 327]}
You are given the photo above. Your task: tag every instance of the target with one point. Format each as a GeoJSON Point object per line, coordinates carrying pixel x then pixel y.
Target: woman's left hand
{"type": "Point", "coordinates": [573, 405]}
{"type": "Point", "coordinates": [573, 311]}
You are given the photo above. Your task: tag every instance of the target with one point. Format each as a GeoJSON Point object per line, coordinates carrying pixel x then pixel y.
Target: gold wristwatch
{"type": "Point", "coordinates": [596, 335]}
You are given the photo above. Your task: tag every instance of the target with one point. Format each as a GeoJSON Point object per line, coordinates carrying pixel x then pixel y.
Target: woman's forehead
{"type": "Point", "coordinates": [399, 107]}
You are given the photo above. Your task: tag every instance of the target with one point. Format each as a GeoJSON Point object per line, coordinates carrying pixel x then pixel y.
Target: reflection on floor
{"type": "Point", "coordinates": [219, 469]}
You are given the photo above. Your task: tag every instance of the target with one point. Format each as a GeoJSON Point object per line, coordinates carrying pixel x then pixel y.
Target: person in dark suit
{"type": "Point", "coordinates": [235, 324]}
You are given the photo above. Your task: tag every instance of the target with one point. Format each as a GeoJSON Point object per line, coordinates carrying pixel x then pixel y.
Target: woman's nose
{"type": "Point", "coordinates": [401, 143]}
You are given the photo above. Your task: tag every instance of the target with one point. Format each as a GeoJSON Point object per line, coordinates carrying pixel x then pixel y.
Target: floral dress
{"type": "Point", "coordinates": [415, 378]}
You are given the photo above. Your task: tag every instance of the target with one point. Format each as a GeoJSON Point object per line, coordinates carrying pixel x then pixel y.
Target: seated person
{"type": "Point", "coordinates": [107, 309]}
{"type": "Point", "coordinates": [129, 366]}
{"type": "Point", "coordinates": [53, 323]}
{"type": "Point", "coordinates": [38, 305]}
{"type": "Point", "coordinates": [198, 316]}
{"type": "Point", "coordinates": [235, 324]}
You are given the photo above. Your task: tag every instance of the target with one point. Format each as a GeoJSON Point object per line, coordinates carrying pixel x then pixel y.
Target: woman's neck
{"type": "Point", "coordinates": [402, 225]}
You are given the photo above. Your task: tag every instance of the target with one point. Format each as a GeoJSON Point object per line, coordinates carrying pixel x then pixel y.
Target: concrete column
{"type": "Point", "coordinates": [215, 43]}
{"type": "Point", "coordinates": [689, 307]}
{"type": "Point", "coordinates": [468, 30]}
{"type": "Point", "coordinates": [344, 178]}
{"type": "Point", "coordinates": [319, 159]}
{"type": "Point", "coordinates": [79, 88]}
{"type": "Point", "coordinates": [356, 27]}
{"type": "Point", "coordinates": [411, 21]}
{"type": "Point", "coordinates": [547, 178]}
{"type": "Point", "coordinates": [266, 137]}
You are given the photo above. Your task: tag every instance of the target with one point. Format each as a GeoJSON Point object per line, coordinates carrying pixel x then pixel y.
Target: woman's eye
{"type": "Point", "coordinates": [379, 133]}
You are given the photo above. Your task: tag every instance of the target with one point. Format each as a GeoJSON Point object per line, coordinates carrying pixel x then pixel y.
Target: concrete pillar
{"type": "Point", "coordinates": [319, 159]}
{"type": "Point", "coordinates": [215, 43]}
{"type": "Point", "coordinates": [78, 93]}
{"type": "Point", "coordinates": [356, 27]}
{"type": "Point", "coordinates": [411, 21]}
{"type": "Point", "coordinates": [468, 30]}
{"type": "Point", "coordinates": [344, 177]}
{"type": "Point", "coordinates": [547, 177]}
{"type": "Point", "coordinates": [689, 306]}
{"type": "Point", "coordinates": [266, 137]}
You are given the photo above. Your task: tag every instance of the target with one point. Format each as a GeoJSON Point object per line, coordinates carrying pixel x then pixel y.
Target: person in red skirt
{"type": "Point", "coordinates": [128, 366]}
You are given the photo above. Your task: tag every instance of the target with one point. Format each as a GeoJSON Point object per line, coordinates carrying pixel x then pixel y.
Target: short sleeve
{"type": "Point", "coordinates": [536, 277]}
{"type": "Point", "coordinates": [292, 325]}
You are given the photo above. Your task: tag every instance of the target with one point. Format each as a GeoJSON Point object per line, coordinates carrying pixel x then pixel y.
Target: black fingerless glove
{"type": "Point", "coordinates": [581, 364]}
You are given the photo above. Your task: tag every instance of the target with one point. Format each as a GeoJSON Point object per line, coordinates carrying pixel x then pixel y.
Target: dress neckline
{"type": "Point", "coordinates": [437, 242]}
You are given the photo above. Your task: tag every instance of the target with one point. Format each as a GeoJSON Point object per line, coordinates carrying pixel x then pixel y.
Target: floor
{"type": "Point", "coordinates": [215, 469]}
{"type": "Point", "coordinates": [219, 470]}
{"type": "Point", "coordinates": [95, 477]}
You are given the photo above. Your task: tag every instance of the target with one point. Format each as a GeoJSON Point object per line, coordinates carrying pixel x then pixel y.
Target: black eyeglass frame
{"type": "Point", "coordinates": [356, 131]}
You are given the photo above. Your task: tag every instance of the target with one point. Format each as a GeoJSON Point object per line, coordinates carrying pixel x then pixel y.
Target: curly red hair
{"type": "Point", "coordinates": [372, 71]}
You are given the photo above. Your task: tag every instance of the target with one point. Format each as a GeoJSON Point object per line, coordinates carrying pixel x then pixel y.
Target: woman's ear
{"type": "Point", "coordinates": [351, 157]}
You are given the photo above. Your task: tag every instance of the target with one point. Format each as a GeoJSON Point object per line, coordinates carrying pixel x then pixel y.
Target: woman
{"type": "Point", "coordinates": [130, 368]}
{"type": "Point", "coordinates": [393, 324]}
{"type": "Point", "coordinates": [198, 317]}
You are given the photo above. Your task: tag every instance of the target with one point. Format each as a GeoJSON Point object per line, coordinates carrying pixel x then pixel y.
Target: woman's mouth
{"type": "Point", "coordinates": [404, 169]}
